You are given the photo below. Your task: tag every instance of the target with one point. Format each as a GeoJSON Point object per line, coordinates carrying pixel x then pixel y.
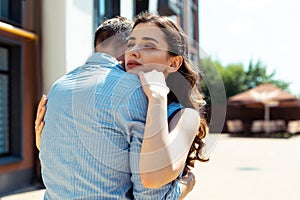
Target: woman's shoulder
{"type": "Point", "coordinates": [187, 118]}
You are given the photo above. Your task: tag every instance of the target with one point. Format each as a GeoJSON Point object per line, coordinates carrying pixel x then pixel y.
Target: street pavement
{"type": "Point", "coordinates": [250, 169]}
{"type": "Point", "coordinates": [240, 168]}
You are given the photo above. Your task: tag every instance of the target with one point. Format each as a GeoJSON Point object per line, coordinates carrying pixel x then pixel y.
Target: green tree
{"type": "Point", "coordinates": [211, 78]}
{"type": "Point", "coordinates": [257, 74]}
{"type": "Point", "coordinates": [235, 78]}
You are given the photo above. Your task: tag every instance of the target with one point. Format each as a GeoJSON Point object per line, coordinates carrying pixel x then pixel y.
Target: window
{"type": "Point", "coordinates": [10, 101]}
{"type": "Point", "coordinates": [182, 13]}
{"type": "Point", "coordinates": [11, 11]}
{"type": "Point", "coordinates": [4, 94]}
{"type": "Point", "coordinates": [192, 15]}
{"type": "Point", "coordinates": [19, 85]}
{"type": "Point", "coordinates": [169, 7]}
{"type": "Point", "coordinates": [4, 9]}
{"type": "Point", "coordinates": [141, 5]}
{"type": "Point", "coordinates": [105, 9]}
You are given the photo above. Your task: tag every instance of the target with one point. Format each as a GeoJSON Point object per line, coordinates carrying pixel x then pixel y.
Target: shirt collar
{"type": "Point", "coordinates": [104, 59]}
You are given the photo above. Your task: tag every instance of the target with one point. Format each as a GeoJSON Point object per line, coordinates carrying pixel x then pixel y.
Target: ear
{"type": "Point", "coordinates": [176, 63]}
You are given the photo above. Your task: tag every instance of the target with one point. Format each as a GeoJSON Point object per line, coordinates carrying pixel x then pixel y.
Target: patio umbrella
{"type": "Point", "coordinates": [264, 96]}
{"type": "Point", "coordinates": [267, 92]}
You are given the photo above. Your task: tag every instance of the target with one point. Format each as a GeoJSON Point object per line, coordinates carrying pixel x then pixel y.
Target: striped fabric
{"type": "Point", "coordinates": [93, 135]}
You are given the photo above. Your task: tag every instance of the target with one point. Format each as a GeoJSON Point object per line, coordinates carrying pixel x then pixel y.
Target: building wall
{"type": "Point", "coordinates": [67, 37]}
{"type": "Point", "coordinates": [68, 34]}
{"type": "Point", "coordinates": [126, 8]}
{"type": "Point", "coordinates": [21, 37]}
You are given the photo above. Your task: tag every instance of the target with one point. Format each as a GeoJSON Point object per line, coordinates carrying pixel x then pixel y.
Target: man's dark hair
{"type": "Point", "coordinates": [119, 26]}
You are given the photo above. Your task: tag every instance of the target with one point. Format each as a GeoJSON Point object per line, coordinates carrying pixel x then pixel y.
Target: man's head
{"type": "Point", "coordinates": [111, 35]}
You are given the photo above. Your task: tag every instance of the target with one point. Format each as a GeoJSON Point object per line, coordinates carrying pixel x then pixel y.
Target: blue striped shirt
{"type": "Point", "coordinates": [93, 134]}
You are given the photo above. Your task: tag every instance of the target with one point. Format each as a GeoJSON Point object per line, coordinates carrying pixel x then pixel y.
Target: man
{"type": "Point", "coordinates": [94, 128]}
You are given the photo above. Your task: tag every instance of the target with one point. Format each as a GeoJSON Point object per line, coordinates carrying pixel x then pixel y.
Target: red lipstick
{"type": "Point", "coordinates": [132, 64]}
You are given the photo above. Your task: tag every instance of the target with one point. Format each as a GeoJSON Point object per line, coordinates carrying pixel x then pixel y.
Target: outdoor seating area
{"type": "Point", "coordinates": [263, 110]}
{"type": "Point", "coordinates": [235, 126]}
{"type": "Point", "coordinates": [293, 126]}
{"type": "Point", "coordinates": [271, 126]}
{"type": "Point", "coordinates": [261, 127]}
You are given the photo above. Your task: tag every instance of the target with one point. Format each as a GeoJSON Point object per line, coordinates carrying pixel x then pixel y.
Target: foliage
{"type": "Point", "coordinates": [257, 74]}
{"type": "Point", "coordinates": [212, 78]}
{"type": "Point", "coordinates": [235, 78]}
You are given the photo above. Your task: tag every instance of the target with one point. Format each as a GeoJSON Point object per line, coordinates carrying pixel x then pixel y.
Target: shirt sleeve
{"type": "Point", "coordinates": [133, 109]}
{"type": "Point", "coordinates": [175, 191]}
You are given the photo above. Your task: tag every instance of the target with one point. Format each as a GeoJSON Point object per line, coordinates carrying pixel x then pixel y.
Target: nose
{"type": "Point", "coordinates": [134, 52]}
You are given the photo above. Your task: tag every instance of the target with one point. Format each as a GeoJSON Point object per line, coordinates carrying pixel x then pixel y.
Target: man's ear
{"type": "Point", "coordinates": [176, 63]}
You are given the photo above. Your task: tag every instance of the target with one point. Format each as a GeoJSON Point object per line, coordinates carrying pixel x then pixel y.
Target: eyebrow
{"type": "Point", "coordinates": [144, 38]}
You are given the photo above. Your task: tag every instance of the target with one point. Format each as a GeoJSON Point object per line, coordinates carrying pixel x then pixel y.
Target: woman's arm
{"type": "Point", "coordinates": [164, 151]}
{"type": "Point", "coordinates": [39, 121]}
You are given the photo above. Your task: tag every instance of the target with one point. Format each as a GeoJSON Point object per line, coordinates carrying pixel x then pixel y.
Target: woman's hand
{"type": "Point", "coordinates": [39, 121]}
{"type": "Point", "coordinates": [154, 84]}
{"type": "Point", "coordinates": [186, 183]}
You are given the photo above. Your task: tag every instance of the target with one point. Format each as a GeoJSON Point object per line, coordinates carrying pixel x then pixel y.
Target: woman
{"type": "Point", "coordinates": [157, 49]}
{"type": "Point", "coordinates": [157, 43]}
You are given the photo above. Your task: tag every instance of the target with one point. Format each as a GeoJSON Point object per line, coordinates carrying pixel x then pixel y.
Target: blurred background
{"type": "Point", "coordinates": [245, 49]}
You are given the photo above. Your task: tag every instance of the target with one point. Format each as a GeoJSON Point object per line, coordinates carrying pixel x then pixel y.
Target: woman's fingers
{"type": "Point", "coordinates": [42, 103]}
{"type": "Point", "coordinates": [38, 134]}
{"type": "Point", "coordinates": [41, 111]}
{"type": "Point", "coordinates": [153, 83]}
{"type": "Point", "coordinates": [39, 121]}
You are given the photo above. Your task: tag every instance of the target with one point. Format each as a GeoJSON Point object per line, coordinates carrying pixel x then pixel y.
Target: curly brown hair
{"type": "Point", "coordinates": [182, 90]}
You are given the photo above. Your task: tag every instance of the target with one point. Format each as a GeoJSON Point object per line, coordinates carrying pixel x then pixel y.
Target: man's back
{"type": "Point", "coordinates": [93, 133]}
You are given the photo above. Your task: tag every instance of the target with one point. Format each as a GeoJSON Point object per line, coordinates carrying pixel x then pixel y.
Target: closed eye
{"type": "Point", "coordinates": [130, 45]}
{"type": "Point", "coordinates": [147, 46]}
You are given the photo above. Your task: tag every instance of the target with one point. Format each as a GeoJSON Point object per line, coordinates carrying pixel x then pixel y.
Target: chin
{"type": "Point", "coordinates": [133, 71]}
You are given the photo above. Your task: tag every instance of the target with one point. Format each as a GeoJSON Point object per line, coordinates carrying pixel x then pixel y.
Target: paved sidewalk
{"type": "Point", "coordinates": [250, 169]}
{"type": "Point", "coordinates": [240, 169]}
{"type": "Point", "coordinates": [32, 195]}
